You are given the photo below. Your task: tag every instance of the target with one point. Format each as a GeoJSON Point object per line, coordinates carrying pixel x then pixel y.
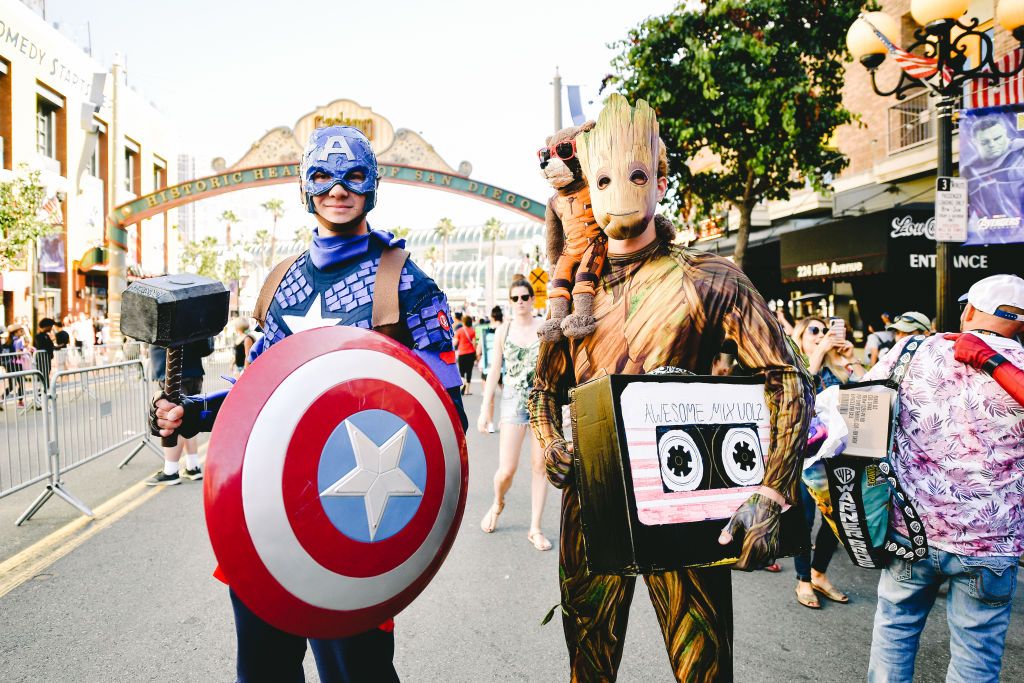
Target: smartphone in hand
{"type": "Point", "coordinates": [837, 328]}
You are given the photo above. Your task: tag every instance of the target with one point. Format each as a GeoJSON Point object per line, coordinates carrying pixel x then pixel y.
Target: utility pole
{"type": "Point", "coordinates": [558, 100]}
{"type": "Point", "coordinates": [116, 256]}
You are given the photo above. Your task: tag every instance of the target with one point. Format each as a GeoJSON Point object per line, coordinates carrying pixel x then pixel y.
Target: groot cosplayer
{"type": "Point", "coordinates": [657, 304]}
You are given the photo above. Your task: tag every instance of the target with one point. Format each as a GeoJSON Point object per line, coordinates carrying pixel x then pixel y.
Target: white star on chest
{"type": "Point", "coordinates": [376, 476]}
{"type": "Point", "coordinates": [313, 318]}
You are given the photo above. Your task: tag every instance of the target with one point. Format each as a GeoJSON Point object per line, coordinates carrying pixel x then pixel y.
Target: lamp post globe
{"type": "Point", "coordinates": [1010, 14]}
{"type": "Point", "coordinates": [927, 11]}
{"type": "Point", "coordinates": [864, 44]}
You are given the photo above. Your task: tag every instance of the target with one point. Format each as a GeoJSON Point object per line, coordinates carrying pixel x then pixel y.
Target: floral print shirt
{"type": "Point", "coordinates": [960, 449]}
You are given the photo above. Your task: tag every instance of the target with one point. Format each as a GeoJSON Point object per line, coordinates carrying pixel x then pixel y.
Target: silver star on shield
{"type": "Point", "coordinates": [376, 476]}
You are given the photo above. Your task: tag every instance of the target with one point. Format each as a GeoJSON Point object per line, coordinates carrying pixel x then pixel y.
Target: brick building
{"type": "Point", "coordinates": [49, 87]}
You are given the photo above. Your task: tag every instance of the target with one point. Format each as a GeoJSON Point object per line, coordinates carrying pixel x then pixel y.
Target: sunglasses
{"type": "Point", "coordinates": [563, 150]}
{"type": "Point", "coordinates": [814, 329]}
{"type": "Point", "coordinates": [516, 298]}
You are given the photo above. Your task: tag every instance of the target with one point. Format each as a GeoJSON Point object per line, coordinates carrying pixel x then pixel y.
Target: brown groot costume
{"type": "Point", "coordinates": [665, 305]}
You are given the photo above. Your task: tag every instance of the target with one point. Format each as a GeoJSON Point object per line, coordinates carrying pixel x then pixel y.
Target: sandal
{"type": "Point", "coordinates": [806, 597]}
{"type": "Point", "coordinates": [538, 540]}
{"type": "Point", "coordinates": [831, 593]}
{"type": "Point", "coordinates": [490, 521]}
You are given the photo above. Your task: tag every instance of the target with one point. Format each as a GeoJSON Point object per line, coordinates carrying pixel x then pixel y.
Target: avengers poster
{"type": "Point", "coordinates": [992, 161]}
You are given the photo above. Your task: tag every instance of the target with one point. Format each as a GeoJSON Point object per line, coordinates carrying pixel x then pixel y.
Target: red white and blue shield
{"type": "Point", "coordinates": [335, 481]}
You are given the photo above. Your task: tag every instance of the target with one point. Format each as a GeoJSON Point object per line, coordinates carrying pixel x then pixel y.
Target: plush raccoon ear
{"type": "Point", "coordinates": [589, 125]}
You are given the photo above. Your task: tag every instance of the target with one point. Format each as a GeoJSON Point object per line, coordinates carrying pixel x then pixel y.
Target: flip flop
{"type": "Point", "coordinates": [831, 593]}
{"type": "Point", "coordinates": [538, 540]}
{"type": "Point", "coordinates": [490, 521]}
{"type": "Point", "coordinates": [807, 601]}
{"type": "Point", "coordinates": [774, 568]}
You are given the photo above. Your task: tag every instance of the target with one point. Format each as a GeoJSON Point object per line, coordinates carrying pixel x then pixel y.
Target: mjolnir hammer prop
{"type": "Point", "coordinates": [172, 311]}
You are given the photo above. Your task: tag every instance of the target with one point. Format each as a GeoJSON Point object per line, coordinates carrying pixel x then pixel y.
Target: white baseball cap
{"type": "Point", "coordinates": [910, 322]}
{"type": "Point", "coordinates": [998, 290]}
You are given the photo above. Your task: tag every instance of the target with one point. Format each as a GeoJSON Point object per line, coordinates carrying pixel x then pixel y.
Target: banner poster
{"type": "Point", "coordinates": [992, 161]}
{"type": "Point", "coordinates": [51, 254]}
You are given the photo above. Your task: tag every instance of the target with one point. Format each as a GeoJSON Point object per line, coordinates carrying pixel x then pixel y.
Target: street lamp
{"type": "Point", "coordinates": [945, 36]}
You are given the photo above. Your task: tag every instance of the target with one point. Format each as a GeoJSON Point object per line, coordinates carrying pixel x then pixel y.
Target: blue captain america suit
{"type": "Point", "coordinates": [337, 274]}
{"type": "Point", "coordinates": [332, 284]}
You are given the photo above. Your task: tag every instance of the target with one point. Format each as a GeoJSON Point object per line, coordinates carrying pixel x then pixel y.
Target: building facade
{"type": "Point", "coordinates": [867, 246]}
{"type": "Point", "coordinates": [58, 115]}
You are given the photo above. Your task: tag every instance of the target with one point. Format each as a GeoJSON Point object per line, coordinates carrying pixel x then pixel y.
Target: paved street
{"type": "Point", "coordinates": [136, 602]}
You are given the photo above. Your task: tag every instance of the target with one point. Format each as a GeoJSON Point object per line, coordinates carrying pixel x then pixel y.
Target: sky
{"type": "Point", "coordinates": [473, 78]}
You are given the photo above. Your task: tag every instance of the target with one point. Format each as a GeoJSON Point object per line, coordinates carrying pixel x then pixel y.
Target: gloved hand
{"type": "Point", "coordinates": [971, 349]}
{"type": "Point", "coordinates": [757, 520]}
{"type": "Point", "coordinates": [558, 463]}
{"type": "Point", "coordinates": [166, 418]}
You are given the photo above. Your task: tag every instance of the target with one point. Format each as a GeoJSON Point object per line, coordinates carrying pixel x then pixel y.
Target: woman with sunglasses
{"type": "Point", "coordinates": [830, 360]}
{"type": "Point", "coordinates": [515, 345]}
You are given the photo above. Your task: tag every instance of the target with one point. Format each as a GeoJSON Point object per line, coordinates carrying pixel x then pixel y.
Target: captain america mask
{"type": "Point", "coordinates": [338, 155]}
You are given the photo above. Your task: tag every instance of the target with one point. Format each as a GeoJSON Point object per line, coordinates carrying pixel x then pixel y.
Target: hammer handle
{"type": "Point", "coordinates": [172, 387]}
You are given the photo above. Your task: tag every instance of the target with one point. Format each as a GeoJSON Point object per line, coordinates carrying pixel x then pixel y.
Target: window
{"type": "Point", "coordinates": [159, 173]}
{"type": "Point", "coordinates": [46, 124]}
{"type": "Point", "coordinates": [132, 178]}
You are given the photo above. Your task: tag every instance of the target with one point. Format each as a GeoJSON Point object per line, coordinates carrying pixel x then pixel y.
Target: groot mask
{"type": "Point", "coordinates": [620, 159]}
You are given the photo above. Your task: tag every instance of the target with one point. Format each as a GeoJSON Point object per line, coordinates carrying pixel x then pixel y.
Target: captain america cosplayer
{"type": "Point", "coordinates": [331, 284]}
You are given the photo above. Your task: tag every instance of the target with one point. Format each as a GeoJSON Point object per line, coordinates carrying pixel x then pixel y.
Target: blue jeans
{"type": "Point", "coordinates": [267, 655]}
{"type": "Point", "coordinates": [977, 610]}
{"type": "Point", "coordinates": [825, 543]}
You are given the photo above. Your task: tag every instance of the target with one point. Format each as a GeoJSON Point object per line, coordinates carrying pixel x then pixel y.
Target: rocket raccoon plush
{"type": "Point", "coordinates": [576, 244]}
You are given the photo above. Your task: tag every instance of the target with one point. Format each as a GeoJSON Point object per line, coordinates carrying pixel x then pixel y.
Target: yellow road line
{"type": "Point", "coordinates": [28, 563]}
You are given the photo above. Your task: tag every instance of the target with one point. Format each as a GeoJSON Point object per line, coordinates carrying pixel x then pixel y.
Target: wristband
{"type": "Point", "coordinates": [992, 363]}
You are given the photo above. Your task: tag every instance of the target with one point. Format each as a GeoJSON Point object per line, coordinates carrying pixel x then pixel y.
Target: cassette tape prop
{"type": "Point", "coordinates": [662, 462]}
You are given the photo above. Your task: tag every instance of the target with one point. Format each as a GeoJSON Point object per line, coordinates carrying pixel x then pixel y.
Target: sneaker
{"type": "Point", "coordinates": [162, 479]}
{"type": "Point", "coordinates": [195, 474]}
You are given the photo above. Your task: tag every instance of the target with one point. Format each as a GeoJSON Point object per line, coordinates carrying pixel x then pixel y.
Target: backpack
{"type": "Point", "coordinates": [858, 496]}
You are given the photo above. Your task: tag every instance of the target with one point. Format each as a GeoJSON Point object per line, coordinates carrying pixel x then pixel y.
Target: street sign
{"type": "Point", "coordinates": [950, 209]}
{"type": "Point", "coordinates": [539, 282]}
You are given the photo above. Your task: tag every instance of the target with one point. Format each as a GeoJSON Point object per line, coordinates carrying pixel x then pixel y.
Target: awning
{"type": "Point", "coordinates": [845, 248]}
{"type": "Point", "coordinates": [94, 259]}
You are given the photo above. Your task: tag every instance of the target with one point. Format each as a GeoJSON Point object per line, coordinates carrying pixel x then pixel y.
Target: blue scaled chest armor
{"type": "Point", "coordinates": [341, 293]}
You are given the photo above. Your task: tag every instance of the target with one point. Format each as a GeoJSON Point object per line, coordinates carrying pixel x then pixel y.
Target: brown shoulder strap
{"type": "Point", "coordinates": [269, 289]}
{"type": "Point", "coordinates": [386, 310]}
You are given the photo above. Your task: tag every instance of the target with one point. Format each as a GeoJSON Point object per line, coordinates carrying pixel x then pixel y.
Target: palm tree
{"type": "Point", "coordinates": [228, 217]}
{"type": "Point", "coordinates": [444, 231]}
{"type": "Point", "coordinates": [401, 231]}
{"type": "Point", "coordinates": [432, 255]}
{"type": "Point", "coordinates": [493, 231]}
{"type": "Point", "coordinates": [259, 241]}
{"type": "Point", "coordinates": [304, 236]}
{"type": "Point", "coordinates": [276, 209]}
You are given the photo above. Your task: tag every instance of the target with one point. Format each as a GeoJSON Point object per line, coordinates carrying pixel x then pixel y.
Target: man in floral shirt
{"type": "Point", "coordinates": [960, 458]}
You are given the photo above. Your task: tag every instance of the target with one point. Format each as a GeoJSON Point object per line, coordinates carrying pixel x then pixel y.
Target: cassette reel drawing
{"type": "Point", "coordinates": [711, 456]}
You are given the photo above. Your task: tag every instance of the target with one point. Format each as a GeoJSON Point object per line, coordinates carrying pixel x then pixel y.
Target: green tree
{"type": "Point", "coordinates": [401, 231]}
{"type": "Point", "coordinates": [200, 257]}
{"type": "Point", "coordinates": [304, 236]}
{"type": "Point", "coordinates": [229, 218]}
{"type": "Point", "coordinates": [259, 242]}
{"type": "Point", "coordinates": [768, 77]}
{"type": "Point", "coordinates": [444, 231]}
{"type": "Point", "coordinates": [275, 207]}
{"type": "Point", "coordinates": [493, 231]}
{"type": "Point", "coordinates": [21, 224]}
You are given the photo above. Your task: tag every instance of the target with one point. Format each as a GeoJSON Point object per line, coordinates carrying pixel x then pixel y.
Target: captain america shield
{"type": "Point", "coordinates": [335, 481]}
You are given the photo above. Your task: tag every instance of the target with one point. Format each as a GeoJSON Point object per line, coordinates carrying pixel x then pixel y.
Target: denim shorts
{"type": "Point", "coordinates": [511, 412]}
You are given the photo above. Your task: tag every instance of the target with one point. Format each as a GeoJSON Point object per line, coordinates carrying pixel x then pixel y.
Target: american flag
{"type": "Point", "coordinates": [985, 93]}
{"type": "Point", "coordinates": [915, 66]}
{"type": "Point", "coordinates": [51, 212]}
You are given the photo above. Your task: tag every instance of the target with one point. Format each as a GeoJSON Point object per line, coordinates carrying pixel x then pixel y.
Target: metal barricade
{"type": "Point", "coordinates": [93, 411]}
{"type": "Point", "coordinates": [72, 358]}
{"type": "Point", "coordinates": [217, 366]}
{"type": "Point", "coordinates": [24, 431]}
